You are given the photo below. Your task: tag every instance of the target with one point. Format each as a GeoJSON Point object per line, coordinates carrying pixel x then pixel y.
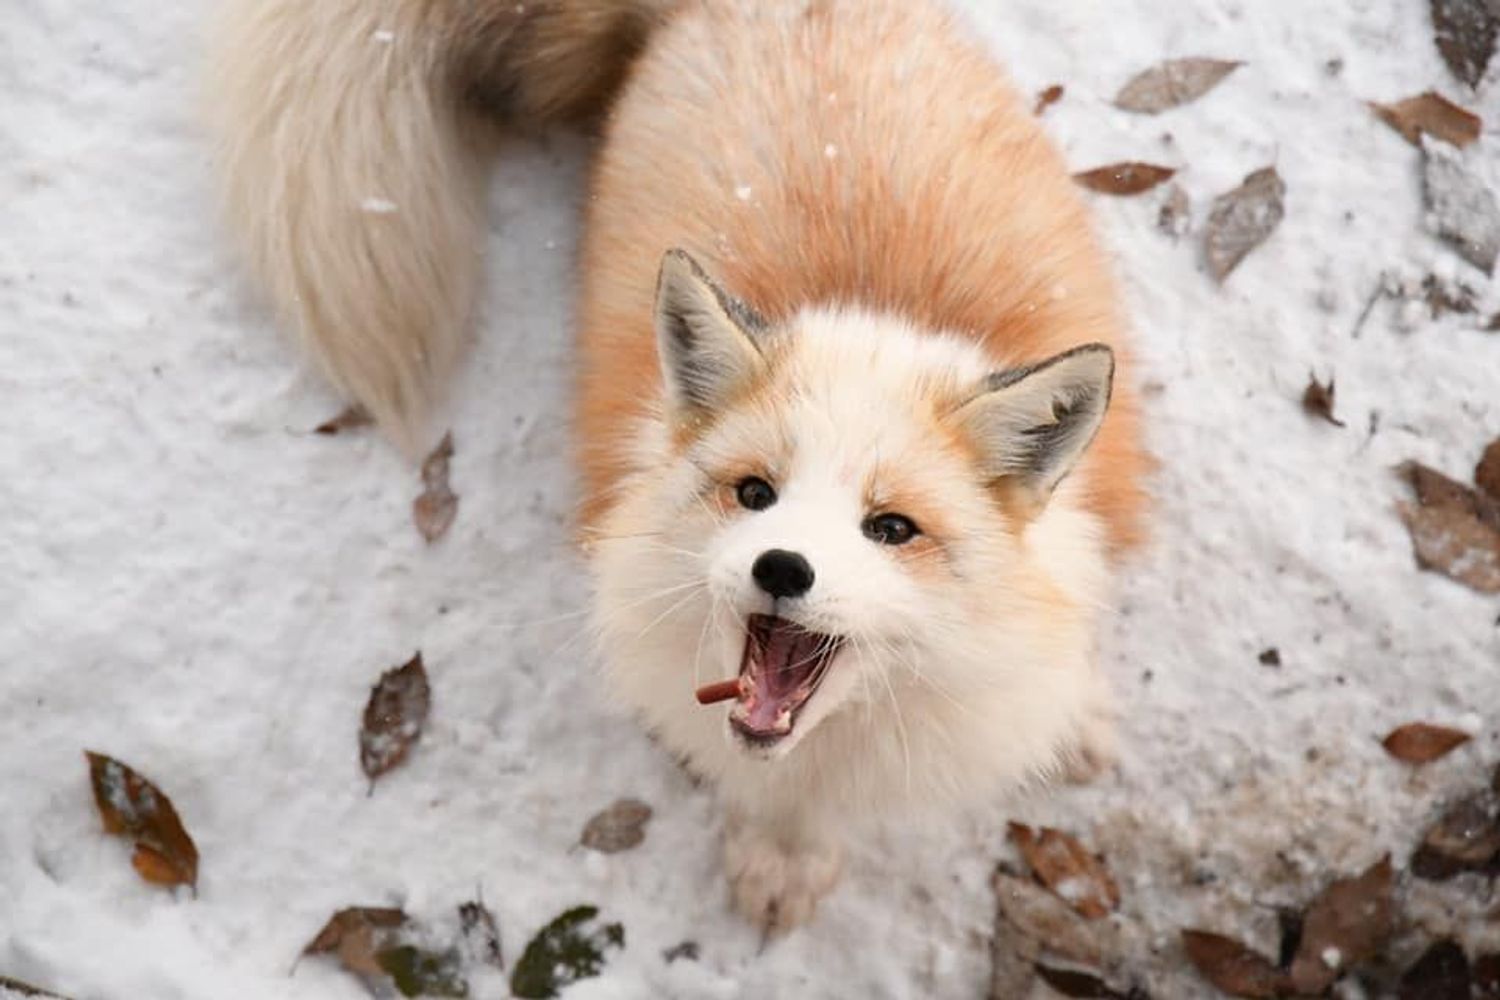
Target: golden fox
{"type": "Point", "coordinates": [855, 422]}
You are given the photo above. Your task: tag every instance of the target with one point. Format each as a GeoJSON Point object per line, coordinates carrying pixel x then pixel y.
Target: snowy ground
{"type": "Point", "coordinates": [197, 585]}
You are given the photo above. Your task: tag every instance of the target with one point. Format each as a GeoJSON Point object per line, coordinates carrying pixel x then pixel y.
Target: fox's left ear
{"type": "Point", "coordinates": [705, 337]}
{"type": "Point", "coordinates": [1030, 425]}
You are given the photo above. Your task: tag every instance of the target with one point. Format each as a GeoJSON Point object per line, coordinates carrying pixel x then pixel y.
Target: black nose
{"type": "Point", "coordinates": [782, 574]}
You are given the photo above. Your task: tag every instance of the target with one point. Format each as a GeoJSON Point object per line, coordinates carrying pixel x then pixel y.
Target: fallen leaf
{"type": "Point", "coordinates": [420, 973]}
{"type": "Point", "coordinates": [1124, 178]}
{"type": "Point", "coordinates": [1430, 114]}
{"type": "Point", "coordinates": [1066, 867]}
{"type": "Point", "coordinates": [1172, 83]}
{"type": "Point", "coordinates": [1454, 529]}
{"type": "Point", "coordinates": [394, 716]}
{"type": "Point", "coordinates": [133, 807]}
{"type": "Point", "coordinates": [1031, 911]}
{"type": "Point", "coordinates": [437, 505]}
{"type": "Point", "coordinates": [682, 950]}
{"type": "Point", "coordinates": [1242, 219]}
{"type": "Point", "coordinates": [1442, 973]}
{"type": "Point", "coordinates": [356, 934]}
{"type": "Point", "coordinates": [1461, 210]}
{"type": "Point", "coordinates": [1465, 34]}
{"type": "Point", "coordinates": [1317, 400]}
{"type": "Point", "coordinates": [1270, 657]}
{"type": "Point", "coordinates": [1465, 839]}
{"type": "Point", "coordinates": [1072, 983]}
{"type": "Point", "coordinates": [1441, 298]}
{"type": "Point", "coordinates": [1047, 98]}
{"type": "Point", "coordinates": [347, 420]}
{"type": "Point", "coordinates": [618, 828]}
{"type": "Point", "coordinates": [1422, 743]}
{"type": "Point", "coordinates": [1231, 967]}
{"type": "Point", "coordinates": [480, 934]}
{"type": "Point", "coordinates": [1487, 472]}
{"type": "Point", "coordinates": [1347, 923]}
{"type": "Point", "coordinates": [1176, 213]}
{"type": "Point", "coordinates": [26, 989]}
{"type": "Point", "coordinates": [570, 948]}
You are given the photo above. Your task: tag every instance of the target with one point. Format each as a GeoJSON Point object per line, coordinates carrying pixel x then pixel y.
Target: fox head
{"type": "Point", "coordinates": [856, 518]}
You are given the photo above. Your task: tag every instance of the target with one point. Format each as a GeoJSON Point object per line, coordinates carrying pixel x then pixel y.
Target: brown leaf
{"type": "Point", "coordinates": [1454, 529]}
{"type": "Point", "coordinates": [1033, 912]}
{"type": "Point", "coordinates": [1430, 114]}
{"type": "Point", "coordinates": [133, 807]}
{"type": "Point", "coordinates": [1317, 400]}
{"type": "Point", "coordinates": [1242, 219]}
{"type": "Point", "coordinates": [1461, 209]}
{"type": "Point", "coordinates": [1443, 298]}
{"type": "Point", "coordinates": [347, 420]}
{"type": "Point", "coordinates": [619, 827]}
{"type": "Point", "coordinates": [1270, 657]}
{"type": "Point", "coordinates": [1442, 973]}
{"type": "Point", "coordinates": [1176, 213]}
{"type": "Point", "coordinates": [1466, 838]}
{"type": "Point", "coordinates": [394, 717]}
{"type": "Point", "coordinates": [1422, 743]}
{"type": "Point", "coordinates": [480, 933]}
{"type": "Point", "coordinates": [26, 989]}
{"type": "Point", "coordinates": [1348, 923]}
{"type": "Point", "coordinates": [1124, 178]}
{"type": "Point", "coordinates": [357, 934]}
{"type": "Point", "coordinates": [1172, 83]}
{"type": "Point", "coordinates": [1048, 97]}
{"type": "Point", "coordinates": [1232, 968]}
{"type": "Point", "coordinates": [1080, 985]}
{"type": "Point", "coordinates": [437, 505]}
{"type": "Point", "coordinates": [1487, 472]}
{"type": "Point", "coordinates": [1063, 865]}
{"type": "Point", "coordinates": [1465, 33]}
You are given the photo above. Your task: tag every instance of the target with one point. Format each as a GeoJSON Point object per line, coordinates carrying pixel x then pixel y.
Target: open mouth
{"type": "Point", "coordinates": [782, 666]}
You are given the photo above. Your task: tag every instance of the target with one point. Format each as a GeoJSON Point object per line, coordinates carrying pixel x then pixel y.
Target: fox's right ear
{"type": "Point", "coordinates": [705, 337]}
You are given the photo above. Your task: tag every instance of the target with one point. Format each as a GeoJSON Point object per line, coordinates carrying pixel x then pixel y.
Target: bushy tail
{"type": "Point", "coordinates": [352, 146]}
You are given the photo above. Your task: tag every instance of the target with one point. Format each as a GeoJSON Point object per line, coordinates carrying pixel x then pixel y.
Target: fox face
{"type": "Point", "coordinates": [835, 513]}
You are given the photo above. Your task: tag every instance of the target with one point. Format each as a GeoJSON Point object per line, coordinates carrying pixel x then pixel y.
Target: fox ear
{"type": "Point", "coordinates": [705, 337]}
{"type": "Point", "coordinates": [1031, 424]}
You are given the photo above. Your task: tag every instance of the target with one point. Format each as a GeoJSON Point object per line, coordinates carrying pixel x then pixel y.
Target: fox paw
{"type": "Point", "coordinates": [774, 886]}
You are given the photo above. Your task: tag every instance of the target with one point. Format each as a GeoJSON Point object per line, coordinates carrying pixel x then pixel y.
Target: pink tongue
{"type": "Point", "coordinates": [778, 665]}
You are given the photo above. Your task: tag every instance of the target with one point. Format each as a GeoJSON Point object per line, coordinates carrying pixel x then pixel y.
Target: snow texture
{"type": "Point", "coordinates": [196, 584]}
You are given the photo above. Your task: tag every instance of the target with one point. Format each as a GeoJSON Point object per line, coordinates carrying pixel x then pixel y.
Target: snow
{"type": "Point", "coordinates": [197, 585]}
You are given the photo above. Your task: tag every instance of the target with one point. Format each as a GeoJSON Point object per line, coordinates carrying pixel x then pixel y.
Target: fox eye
{"type": "Point", "coordinates": [755, 493]}
{"type": "Point", "coordinates": [890, 529]}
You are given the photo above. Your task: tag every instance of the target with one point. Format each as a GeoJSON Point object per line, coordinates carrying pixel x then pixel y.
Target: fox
{"type": "Point", "coordinates": [858, 444]}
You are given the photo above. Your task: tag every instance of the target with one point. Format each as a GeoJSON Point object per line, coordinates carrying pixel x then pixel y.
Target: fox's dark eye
{"type": "Point", "coordinates": [890, 529]}
{"type": "Point", "coordinates": [755, 493]}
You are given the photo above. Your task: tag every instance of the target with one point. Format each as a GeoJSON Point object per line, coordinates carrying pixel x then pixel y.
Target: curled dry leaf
{"type": "Point", "coordinates": [480, 934]}
{"type": "Point", "coordinates": [1346, 924]}
{"type": "Point", "coordinates": [1078, 984]}
{"type": "Point", "coordinates": [1124, 178]}
{"type": "Point", "coordinates": [1430, 114]}
{"type": "Point", "coordinates": [357, 934]}
{"type": "Point", "coordinates": [133, 807]}
{"type": "Point", "coordinates": [1048, 97]}
{"type": "Point", "coordinates": [394, 717]}
{"type": "Point", "coordinates": [1066, 867]}
{"type": "Point", "coordinates": [570, 948]}
{"type": "Point", "coordinates": [1465, 32]}
{"type": "Point", "coordinates": [1422, 743]}
{"type": "Point", "coordinates": [1461, 210]}
{"type": "Point", "coordinates": [435, 508]}
{"type": "Point", "coordinates": [26, 989]}
{"type": "Point", "coordinates": [1231, 967]}
{"type": "Point", "coordinates": [1442, 973]}
{"type": "Point", "coordinates": [1270, 657]}
{"type": "Point", "coordinates": [1487, 472]}
{"type": "Point", "coordinates": [1442, 297]}
{"type": "Point", "coordinates": [347, 420]}
{"type": "Point", "coordinates": [1317, 400]}
{"type": "Point", "coordinates": [1172, 83]}
{"type": "Point", "coordinates": [1454, 529]}
{"type": "Point", "coordinates": [1465, 839]}
{"type": "Point", "coordinates": [1242, 219]}
{"type": "Point", "coordinates": [619, 827]}
{"type": "Point", "coordinates": [1028, 910]}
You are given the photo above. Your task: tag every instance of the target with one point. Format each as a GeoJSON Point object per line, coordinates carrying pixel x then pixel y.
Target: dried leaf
{"type": "Point", "coordinates": [1270, 657]}
{"type": "Point", "coordinates": [1176, 213]}
{"type": "Point", "coordinates": [347, 420]}
{"type": "Point", "coordinates": [481, 935]}
{"type": "Point", "coordinates": [1487, 472]}
{"type": "Point", "coordinates": [1442, 973]}
{"type": "Point", "coordinates": [1421, 743]}
{"type": "Point", "coordinates": [1317, 400]}
{"type": "Point", "coordinates": [1442, 298]}
{"type": "Point", "coordinates": [570, 948]}
{"type": "Point", "coordinates": [357, 934]}
{"type": "Point", "coordinates": [26, 989]}
{"type": "Point", "coordinates": [1072, 983]}
{"type": "Point", "coordinates": [1124, 178]}
{"type": "Point", "coordinates": [1031, 911]}
{"type": "Point", "coordinates": [394, 717]}
{"type": "Point", "coordinates": [618, 828]}
{"type": "Point", "coordinates": [1063, 865]}
{"type": "Point", "coordinates": [1242, 219]}
{"type": "Point", "coordinates": [1348, 923]}
{"type": "Point", "coordinates": [133, 807]}
{"type": "Point", "coordinates": [436, 507]}
{"type": "Point", "coordinates": [1461, 210]}
{"type": "Point", "coordinates": [1231, 967]}
{"type": "Point", "coordinates": [1172, 83]}
{"type": "Point", "coordinates": [1465, 839]}
{"type": "Point", "coordinates": [1454, 529]}
{"type": "Point", "coordinates": [1430, 114]}
{"type": "Point", "coordinates": [1046, 98]}
{"type": "Point", "coordinates": [1465, 33]}
{"type": "Point", "coordinates": [420, 973]}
